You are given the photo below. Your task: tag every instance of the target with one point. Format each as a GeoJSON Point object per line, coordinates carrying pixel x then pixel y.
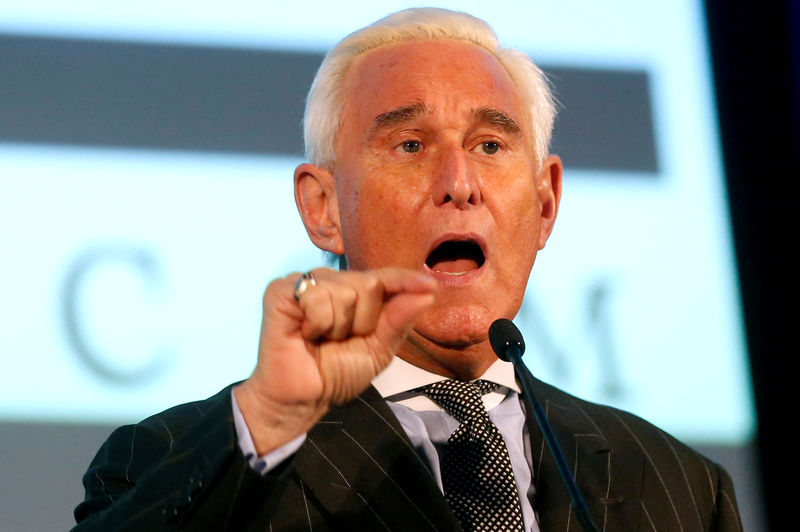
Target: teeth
{"type": "Point", "coordinates": [454, 274]}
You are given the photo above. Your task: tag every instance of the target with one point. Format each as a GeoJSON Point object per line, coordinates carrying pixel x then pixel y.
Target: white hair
{"type": "Point", "coordinates": [325, 99]}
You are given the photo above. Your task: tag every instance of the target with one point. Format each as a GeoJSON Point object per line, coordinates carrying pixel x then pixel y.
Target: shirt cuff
{"type": "Point", "coordinates": [265, 463]}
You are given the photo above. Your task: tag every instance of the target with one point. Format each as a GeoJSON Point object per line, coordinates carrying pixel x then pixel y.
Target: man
{"type": "Point", "coordinates": [430, 173]}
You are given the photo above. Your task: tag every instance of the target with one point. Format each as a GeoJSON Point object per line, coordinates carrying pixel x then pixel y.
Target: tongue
{"type": "Point", "coordinates": [454, 265]}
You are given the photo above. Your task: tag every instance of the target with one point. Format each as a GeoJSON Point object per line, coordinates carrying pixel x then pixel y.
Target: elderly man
{"type": "Point", "coordinates": [377, 402]}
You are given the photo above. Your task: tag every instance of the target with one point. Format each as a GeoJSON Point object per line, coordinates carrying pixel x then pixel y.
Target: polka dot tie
{"type": "Point", "coordinates": [476, 470]}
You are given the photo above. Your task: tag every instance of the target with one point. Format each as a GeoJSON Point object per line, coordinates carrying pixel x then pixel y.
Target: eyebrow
{"type": "Point", "coordinates": [498, 119]}
{"type": "Point", "coordinates": [407, 113]}
{"type": "Point", "coordinates": [399, 115]}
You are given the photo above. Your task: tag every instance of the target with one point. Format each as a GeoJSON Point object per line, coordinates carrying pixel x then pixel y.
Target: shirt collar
{"type": "Point", "coordinates": [397, 382]}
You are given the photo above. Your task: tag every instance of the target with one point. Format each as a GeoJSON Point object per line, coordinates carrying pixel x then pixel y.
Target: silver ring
{"type": "Point", "coordinates": [302, 284]}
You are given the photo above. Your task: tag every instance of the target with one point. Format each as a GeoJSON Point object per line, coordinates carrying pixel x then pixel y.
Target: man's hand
{"type": "Point", "coordinates": [326, 348]}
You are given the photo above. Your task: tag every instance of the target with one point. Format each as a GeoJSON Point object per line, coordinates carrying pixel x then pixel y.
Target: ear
{"type": "Point", "coordinates": [549, 192]}
{"type": "Point", "coordinates": [315, 195]}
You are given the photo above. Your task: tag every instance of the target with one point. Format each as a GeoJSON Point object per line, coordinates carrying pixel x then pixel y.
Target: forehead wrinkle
{"type": "Point", "coordinates": [499, 119]}
{"type": "Point", "coordinates": [399, 115]}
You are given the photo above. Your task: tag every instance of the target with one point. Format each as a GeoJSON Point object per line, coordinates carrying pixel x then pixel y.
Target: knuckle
{"type": "Point", "coordinates": [273, 289]}
{"type": "Point", "coordinates": [373, 286]}
{"type": "Point", "coordinates": [321, 316]}
{"type": "Point", "coordinates": [315, 300]}
{"type": "Point", "coordinates": [350, 297]}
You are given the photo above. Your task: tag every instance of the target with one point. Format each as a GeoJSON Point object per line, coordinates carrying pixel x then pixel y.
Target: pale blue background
{"type": "Point", "coordinates": [219, 227]}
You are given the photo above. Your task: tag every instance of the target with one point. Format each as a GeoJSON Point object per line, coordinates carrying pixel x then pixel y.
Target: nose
{"type": "Point", "coordinates": [456, 181]}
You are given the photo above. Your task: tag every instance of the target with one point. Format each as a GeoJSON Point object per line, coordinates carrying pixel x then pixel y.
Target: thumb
{"type": "Point", "coordinates": [398, 316]}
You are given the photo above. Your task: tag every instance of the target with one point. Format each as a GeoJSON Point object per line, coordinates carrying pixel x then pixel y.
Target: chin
{"type": "Point", "coordinates": [455, 328]}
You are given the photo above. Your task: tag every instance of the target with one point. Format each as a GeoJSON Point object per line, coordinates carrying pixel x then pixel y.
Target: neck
{"type": "Point", "coordinates": [463, 363]}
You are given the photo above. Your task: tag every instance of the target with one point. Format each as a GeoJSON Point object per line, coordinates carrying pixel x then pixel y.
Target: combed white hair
{"type": "Point", "coordinates": [325, 99]}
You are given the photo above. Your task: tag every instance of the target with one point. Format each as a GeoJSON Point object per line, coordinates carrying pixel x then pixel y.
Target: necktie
{"type": "Point", "coordinates": [476, 469]}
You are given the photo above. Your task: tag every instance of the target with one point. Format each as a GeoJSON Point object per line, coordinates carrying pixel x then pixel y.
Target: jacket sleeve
{"type": "Point", "coordinates": [182, 469]}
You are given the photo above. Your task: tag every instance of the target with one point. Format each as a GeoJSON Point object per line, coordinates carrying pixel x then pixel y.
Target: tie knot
{"type": "Point", "coordinates": [460, 399]}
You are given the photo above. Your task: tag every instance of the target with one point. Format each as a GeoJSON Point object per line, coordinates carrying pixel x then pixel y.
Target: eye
{"type": "Point", "coordinates": [411, 146]}
{"type": "Point", "coordinates": [490, 147]}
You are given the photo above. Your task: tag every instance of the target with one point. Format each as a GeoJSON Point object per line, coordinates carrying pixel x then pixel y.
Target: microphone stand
{"type": "Point", "coordinates": [512, 351]}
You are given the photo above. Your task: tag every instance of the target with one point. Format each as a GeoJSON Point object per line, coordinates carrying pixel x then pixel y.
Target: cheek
{"type": "Point", "coordinates": [529, 224]}
{"type": "Point", "coordinates": [386, 201]}
{"type": "Point", "coordinates": [518, 225]}
{"type": "Point", "coordinates": [377, 209]}
{"type": "Point", "coordinates": [376, 224]}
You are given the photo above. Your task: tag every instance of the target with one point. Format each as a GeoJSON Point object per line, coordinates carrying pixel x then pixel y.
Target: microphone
{"type": "Point", "coordinates": [505, 338]}
{"type": "Point", "coordinates": [507, 343]}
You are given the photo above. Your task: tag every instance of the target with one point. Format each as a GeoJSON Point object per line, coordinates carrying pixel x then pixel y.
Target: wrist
{"type": "Point", "coordinates": [271, 422]}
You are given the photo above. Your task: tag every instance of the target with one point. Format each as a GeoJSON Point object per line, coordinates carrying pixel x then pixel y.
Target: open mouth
{"type": "Point", "coordinates": [456, 257]}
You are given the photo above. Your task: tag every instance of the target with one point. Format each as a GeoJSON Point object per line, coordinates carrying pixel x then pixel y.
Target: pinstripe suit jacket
{"type": "Point", "coordinates": [182, 469]}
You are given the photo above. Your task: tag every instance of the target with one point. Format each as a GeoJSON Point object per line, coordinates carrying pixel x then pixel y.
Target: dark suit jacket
{"type": "Point", "coordinates": [357, 470]}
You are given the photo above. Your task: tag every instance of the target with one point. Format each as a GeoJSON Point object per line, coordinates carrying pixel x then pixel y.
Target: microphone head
{"type": "Point", "coordinates": [503, 334]}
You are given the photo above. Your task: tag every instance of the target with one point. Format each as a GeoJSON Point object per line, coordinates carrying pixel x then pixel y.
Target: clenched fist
{"type": "Point", "coordinates": [326, 348]}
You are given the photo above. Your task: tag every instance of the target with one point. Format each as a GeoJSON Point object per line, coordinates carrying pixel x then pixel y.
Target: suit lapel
{"type": "Point", "coordinates": [360, 465]}
{"type": "Point", "coordinates": [610, 482]}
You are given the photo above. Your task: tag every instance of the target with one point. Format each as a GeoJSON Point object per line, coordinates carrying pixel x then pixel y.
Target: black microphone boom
{"type": "Point", "coordinates": [507, 342]}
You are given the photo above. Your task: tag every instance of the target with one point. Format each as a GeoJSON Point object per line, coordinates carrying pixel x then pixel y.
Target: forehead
{"type": "Point", "coordinates": [451, 77]}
